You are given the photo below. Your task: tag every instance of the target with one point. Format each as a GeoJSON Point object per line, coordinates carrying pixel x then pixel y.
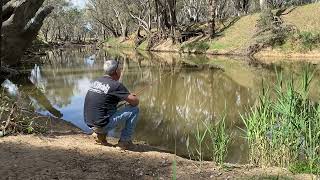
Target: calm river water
{"type": "Point", "coordinates": [183, 91]}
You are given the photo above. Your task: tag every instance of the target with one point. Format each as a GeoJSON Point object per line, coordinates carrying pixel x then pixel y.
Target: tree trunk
{"type": "Point", "coordinates": [212, 16]}
{"type": "Point", "coordinates": [1, 5]}
{"type": "Point", "coordinates": [172, 10]}
{"type": "Point", "coordinates": [157, 15]}
{"type": "Point", "coordinates": [21, 28]}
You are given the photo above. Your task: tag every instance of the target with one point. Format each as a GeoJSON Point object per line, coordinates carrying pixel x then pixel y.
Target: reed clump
{"type": "Point", "coordinates": [284, 129]}
{"type": "Point", "coordinates": [212, 138]}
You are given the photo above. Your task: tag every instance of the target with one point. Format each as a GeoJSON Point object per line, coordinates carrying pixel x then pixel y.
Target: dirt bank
{"type": "Point", "coordinates": [75, 156]}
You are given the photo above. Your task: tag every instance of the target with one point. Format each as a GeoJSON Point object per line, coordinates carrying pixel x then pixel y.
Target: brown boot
{"type": "Point", "coordinates": [126, 145]}
{"type": "Point", "coordinates": [100, 138]}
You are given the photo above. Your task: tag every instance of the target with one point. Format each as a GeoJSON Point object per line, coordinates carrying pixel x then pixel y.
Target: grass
{"type": "Point", "coordinates": [237, 36]}
{"type": "Point", "coordinates": [303, 41]}
{"type": "Point", "coordinates": [197, 47]}
{"type": "Point", "coordinates": [284, 129]}
{"type": "Point", "coordinates": [143, 45]}
{"type": "Point", "coordinates": [212, 136]}
{"type": "Point", "coordinates": [305, 18]}
{"type": "Point", "coordinates": [119, 43]}
{"type": "Point", "coordinates": [219, 139]}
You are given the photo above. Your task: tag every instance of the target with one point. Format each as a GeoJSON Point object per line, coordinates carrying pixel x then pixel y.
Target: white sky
{"type": "Point", "coordinates": [79, 3]}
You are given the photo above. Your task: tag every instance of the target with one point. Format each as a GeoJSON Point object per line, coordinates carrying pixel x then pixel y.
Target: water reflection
{"type": "Point", "coordinates": [179, 91]}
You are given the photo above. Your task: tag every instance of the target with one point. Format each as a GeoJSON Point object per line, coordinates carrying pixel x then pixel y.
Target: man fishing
{"type": "Point", "coordinates": [100, 107]}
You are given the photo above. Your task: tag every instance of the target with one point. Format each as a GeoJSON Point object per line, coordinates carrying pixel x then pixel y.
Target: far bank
{"type": "Point", "coordinates": [238, 36]}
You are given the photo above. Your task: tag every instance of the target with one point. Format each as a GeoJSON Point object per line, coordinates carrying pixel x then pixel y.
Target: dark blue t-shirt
{"type": "Point", "coordinates": [102, 99]}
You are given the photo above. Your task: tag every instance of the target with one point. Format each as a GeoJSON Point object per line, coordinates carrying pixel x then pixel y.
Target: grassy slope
{"type": "Point", "coordinates": [237, 37]}
{"type": "Point", "coordinates": [306, 18]}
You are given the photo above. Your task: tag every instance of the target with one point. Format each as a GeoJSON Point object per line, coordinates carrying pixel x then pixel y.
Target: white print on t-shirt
{"type": "Point", "coordinates": [100, 88]}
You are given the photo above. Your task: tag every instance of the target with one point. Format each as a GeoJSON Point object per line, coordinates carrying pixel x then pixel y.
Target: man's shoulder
{"type": "Point", "coordinates": [111, 82]}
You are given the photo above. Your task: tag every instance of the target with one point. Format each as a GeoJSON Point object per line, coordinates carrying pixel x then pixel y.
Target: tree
{"type": "Point", "coordinates": [212, 16]}
{"type": "Point", "coordinates": [21, 23]}
{"type": "Point", "coordinates": [112, 15]}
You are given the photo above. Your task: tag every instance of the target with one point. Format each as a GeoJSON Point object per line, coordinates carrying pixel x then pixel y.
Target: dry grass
{"type": "Point", "coordinates": [305, 18]}
{"type": "Point", "coordinates": [237, 36]}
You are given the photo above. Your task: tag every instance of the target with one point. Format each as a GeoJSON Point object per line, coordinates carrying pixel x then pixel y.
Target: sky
{"type": "Point", "coordinates": [79, 3]}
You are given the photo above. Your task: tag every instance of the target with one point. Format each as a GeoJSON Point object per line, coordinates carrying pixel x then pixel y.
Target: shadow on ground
{"type": "Point", "coordinates": [41, 161]}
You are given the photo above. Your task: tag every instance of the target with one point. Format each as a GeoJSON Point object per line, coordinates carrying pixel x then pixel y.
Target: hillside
{"type": "Point", "coordinates": [237, 38]}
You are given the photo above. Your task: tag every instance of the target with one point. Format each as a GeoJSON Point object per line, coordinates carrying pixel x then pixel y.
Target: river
{"type": "Point", "coordinates": [180, 92]}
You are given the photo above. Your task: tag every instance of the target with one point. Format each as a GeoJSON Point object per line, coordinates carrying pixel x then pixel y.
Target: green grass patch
{"type": "Point", "coordinates": [304, 167]}
{"type": "Point", "coordinates": [117, 43]}
{"type": "Point", "coordinates": [143, 45]}
{"type": "Point", "coordinates": [198, 47]}
{"type": "Point", "coordinates": [301, 42]}
{"type": "Point", "coordinates": [271, 177]}
{"type": "Point", "coordinates": [218, 46]}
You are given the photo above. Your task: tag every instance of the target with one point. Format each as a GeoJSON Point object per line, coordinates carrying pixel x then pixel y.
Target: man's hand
{"type": "Point", "coordinates": [132, 99]}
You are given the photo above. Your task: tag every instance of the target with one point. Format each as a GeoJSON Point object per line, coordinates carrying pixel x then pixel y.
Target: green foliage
{"type": "Point", "coordinates": [284, 129]}
{"type": "Point", "coordinates": [199, 136]}
{"type": "Point", "coordinates": [304, 167]}
{"type": "Point", "coordinates": [271, 29]}
{"type": "Point", "coordinates": [216, 139]}
{"type": "Point", "coordinates": [197, 47]}
{"type": "Point", "coordinates": [143, 45]}
{"type": "Point", "coordinates": [219, 140]}
{"type": "Point", "coordinates": [305, 41]}
{"type": "Point", "coordinates": [271, 177]}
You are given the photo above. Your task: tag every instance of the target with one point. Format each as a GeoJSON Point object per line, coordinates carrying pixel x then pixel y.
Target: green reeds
{"type": "Point", "coordinates": [199, 135]}
{"type": "Point", "coordinates": [219, 139]}
{"type": "Point", "coordinates": [214, 138]}
{"type": "Point", "coordinates": [284, 128]}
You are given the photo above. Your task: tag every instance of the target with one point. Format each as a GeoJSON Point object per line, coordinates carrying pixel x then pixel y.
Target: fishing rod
{"type": "Point", "coordinates": [144, 88]}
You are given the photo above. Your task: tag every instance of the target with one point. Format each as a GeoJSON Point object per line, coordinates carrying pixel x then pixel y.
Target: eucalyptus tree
{"type": "Point", "coordinates": [142, 13]}
{"type": "Point", "coordinates": [193, 11]}
{"type": "Point", "coordinates": [112, 14]}
{"type": "Point", "coordinates": [53, 25]}
{"type": "Point", "coordinates": [21, 22]}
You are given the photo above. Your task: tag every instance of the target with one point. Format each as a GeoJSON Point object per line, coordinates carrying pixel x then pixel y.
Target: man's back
{"type": "Point", "coordinates": [102, 99]}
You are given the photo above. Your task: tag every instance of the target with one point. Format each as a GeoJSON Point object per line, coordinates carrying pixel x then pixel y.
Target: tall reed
{"type": "Point", "coordinates": [212, 138]}
{"type": "Point", "coordinates": [219, 139]}
{"type": "Point", "coordinates": [284, 128]}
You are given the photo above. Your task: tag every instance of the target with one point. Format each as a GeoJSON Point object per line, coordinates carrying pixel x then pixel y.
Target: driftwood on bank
{"type": "Point", "coordinates": [21, 22]}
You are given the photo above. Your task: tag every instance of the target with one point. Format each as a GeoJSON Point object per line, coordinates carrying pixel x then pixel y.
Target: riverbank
{"type": "Point", "coordinates": [239, 33]}
{"type": "Point", "coordinates": [75, 156]}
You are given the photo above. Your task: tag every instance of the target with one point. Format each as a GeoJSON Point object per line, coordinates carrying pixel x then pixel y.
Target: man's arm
{"type": "Point", "coordinates": [132, 99]}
